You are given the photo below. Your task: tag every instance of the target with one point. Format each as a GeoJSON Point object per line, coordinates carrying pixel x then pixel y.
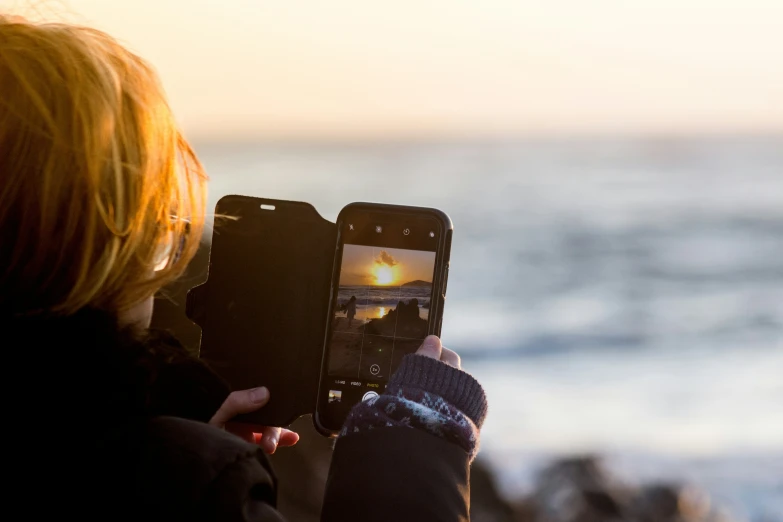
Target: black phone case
{"type": "Point", "coordinates": [263, 310]}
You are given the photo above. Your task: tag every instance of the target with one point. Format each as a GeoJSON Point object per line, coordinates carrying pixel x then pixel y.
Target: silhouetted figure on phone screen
{"type": "Point", "coordinates": [350, 310]}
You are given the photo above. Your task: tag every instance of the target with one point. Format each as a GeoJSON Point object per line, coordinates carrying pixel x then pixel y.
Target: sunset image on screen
{"type": "Point", "coordinates": [385, 267]}
{"type": "Point", "coordinates": [382, 309]}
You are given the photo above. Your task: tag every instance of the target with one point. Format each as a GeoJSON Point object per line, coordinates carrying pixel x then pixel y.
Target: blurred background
{"type": "Point", "coordinates": [614, 171]}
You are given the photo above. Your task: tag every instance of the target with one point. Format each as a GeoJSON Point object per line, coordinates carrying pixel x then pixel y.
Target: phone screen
{"type": "Point", "coordinates": [382, 308]}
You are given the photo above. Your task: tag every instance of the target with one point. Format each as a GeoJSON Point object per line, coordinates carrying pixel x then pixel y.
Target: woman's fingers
{"type": "Point", "coordinates": [287, 438]}
{"type": "Point", "coordinates": [451, 358]}
{"type": "Point", "coordinates": [434, 349]}
{"type": "Point", "coordinates": [267, 436]}
{"type": "Point", "coordinates": [246, 401]}
{"type": "Point", "coordinates": [431, 347]}
{"type": "Point", "coordinates": [270, 436]}
{"type": "Point", "coordinates": [238, 402]}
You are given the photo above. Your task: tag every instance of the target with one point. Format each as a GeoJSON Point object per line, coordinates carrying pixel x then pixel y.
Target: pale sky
{"type": "Point", "coordinates": [407, 68]}
{"type": "Point", "coordinates": [361, 266]}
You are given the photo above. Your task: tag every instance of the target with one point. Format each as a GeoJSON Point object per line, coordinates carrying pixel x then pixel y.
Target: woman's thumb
{"type": "Point", "coordinates": [431, 347]}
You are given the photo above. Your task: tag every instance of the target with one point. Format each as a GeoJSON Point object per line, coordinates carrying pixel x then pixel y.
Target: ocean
{"type": "Point", "coordinates": [614, 296]}
{"type": "Point", "coordinates": [375, 302]}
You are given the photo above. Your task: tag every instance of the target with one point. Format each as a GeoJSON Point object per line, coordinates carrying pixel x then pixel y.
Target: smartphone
{"type": "Point", "coordinates": [388, 290]}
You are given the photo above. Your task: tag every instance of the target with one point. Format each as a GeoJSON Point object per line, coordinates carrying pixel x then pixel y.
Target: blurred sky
{"type": "Point", "coordinates": [372, 266]}
{"type": "Point", "coordinates": [359, 68]}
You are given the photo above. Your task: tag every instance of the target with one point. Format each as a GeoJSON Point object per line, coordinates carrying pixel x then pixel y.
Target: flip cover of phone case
{"type": "Point", "coordinates": [264, 305]}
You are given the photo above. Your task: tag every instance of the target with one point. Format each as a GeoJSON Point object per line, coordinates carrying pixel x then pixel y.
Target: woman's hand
{"type": "Point", "coordinates": [246, 401]}
{"type": "Point", "coordinates": [432, 348]}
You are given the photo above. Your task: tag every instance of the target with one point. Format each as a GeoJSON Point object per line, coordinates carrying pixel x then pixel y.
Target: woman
{"type": "Point", "coordinates": [102, 202]}
{"type": "Point", "coordinates": [350, 310]}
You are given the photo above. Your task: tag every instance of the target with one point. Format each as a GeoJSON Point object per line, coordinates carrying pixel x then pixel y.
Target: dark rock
{"type": "Point", "coordinates": [577, 490]}
{"type": "Point", "coordinates": [418, 282]}
{"type": "Point", "coordinates": [668, 502]}
{"type": "Point", "coordinates": [486, 503]}
{"type": "Point", "coordinates": [403, 321]}
{"type": "Point", "coordinates": [580, 490]}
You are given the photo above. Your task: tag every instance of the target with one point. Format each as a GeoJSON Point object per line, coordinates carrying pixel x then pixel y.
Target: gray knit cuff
{"type": "Point", "coordinates": [458, 388]}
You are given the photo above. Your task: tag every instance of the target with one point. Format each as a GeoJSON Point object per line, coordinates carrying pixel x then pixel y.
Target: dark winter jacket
{"type": "Point", "coordinates": [109, 424]}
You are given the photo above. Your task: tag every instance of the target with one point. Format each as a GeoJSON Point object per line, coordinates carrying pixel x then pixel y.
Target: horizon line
{"type": "Point", "coordinates": [456, 138]}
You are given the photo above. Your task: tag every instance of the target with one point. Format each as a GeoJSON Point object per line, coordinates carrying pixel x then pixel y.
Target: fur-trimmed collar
{"type": "Point", "coordinates": [88, 366]}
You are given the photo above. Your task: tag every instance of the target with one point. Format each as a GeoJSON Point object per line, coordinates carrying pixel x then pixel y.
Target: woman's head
{"type": "Point", "coordinates": [97, 184]}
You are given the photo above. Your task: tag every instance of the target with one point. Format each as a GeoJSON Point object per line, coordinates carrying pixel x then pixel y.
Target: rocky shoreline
{"type": "Point", "coordinates": [574, 489]}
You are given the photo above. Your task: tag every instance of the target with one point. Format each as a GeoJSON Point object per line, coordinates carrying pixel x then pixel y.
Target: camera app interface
{"type": "Point", "coordinates": [380, 315]}
{"type": "Point", "coordinates": [382, 310]}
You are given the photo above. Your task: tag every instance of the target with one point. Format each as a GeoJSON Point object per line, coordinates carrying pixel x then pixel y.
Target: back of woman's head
{"type": "Point", "coordinates": [97, 184]}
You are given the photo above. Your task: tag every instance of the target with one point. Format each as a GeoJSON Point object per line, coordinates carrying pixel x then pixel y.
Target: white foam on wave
{"type": "Point", "coordinates": [680, 402]}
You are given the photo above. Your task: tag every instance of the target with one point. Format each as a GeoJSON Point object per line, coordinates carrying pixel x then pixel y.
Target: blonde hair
{"type": "Point", "coordinates": [95, 176]}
